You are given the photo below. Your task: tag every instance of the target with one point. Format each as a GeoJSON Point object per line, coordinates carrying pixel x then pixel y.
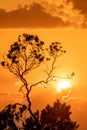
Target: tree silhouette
{"type": "Point", "coordinates": [26, 55]}
{"type": "Point", "coordinates": [6, 119]}
{"type": "Point", "coordinates": [10, 115]}
{"type": "Point", "coordinates": [56, 117]}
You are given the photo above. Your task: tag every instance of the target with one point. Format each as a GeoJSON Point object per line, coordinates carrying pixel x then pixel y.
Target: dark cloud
{"type": "Point", "coordinates": [81, 5]}
{"type": "Point", "coordinates": [33, 17]}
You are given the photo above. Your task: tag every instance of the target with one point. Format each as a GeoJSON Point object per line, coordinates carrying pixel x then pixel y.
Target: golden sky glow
{"type": "Point", "coordinates": [63, 85]}
{"type": "Point", "coordinates": [51, 21]}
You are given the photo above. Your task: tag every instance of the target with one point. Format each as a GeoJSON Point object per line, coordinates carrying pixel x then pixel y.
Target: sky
{"type": "Point", "coordinates": [53, 20]}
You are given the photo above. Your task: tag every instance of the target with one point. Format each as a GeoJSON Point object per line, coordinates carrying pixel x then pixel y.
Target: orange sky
{"type": "Point", "coordinates": [67, 25]}
{"type": "Point", "coordinates": [74, 41]}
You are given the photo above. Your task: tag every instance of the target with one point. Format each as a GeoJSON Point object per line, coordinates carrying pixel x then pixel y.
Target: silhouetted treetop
{"type": "Point", "coordinates": [56, 117]}
{"type": "Point", "coordinates": [10, 115]}
{"type": "Point", "coordinates": [28, 52]}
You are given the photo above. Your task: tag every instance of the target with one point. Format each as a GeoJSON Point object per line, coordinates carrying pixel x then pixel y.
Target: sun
{"type": "Point", "coordinates": [62, 85]}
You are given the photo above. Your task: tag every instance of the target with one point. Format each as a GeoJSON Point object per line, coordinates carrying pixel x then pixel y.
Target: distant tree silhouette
{"type": "Point", "coordinates": [56, 117]}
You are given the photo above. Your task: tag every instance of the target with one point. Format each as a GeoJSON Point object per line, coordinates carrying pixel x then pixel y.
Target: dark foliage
{"type": "Point", "coordinates": [56, 117]}
{"type": "Point", "coordinates": [10, 115]}
{"type": "Point", "coordinates": [28, 52]}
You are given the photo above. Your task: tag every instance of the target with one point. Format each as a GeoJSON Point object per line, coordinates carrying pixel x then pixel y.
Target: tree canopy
{"type": "Point", "coordinates": [28, 52]}
{"type": "Point", "coordinates": [56, 117]}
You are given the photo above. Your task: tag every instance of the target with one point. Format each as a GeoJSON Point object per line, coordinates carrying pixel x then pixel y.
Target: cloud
{"type": "Point", "coordinates": [34, 17]}
{"type": "Point", "coordinates": [81, 5]}
{"type": "Point", "coordinates": [66, 11]}
{"type": "Point", "coordinates": [45, 15]}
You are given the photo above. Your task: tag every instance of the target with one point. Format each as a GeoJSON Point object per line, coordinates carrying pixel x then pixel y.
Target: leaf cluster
{"type": "Point", "coordinates": [28, 52]}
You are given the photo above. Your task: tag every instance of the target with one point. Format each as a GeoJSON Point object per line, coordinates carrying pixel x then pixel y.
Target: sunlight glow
{"type": "Point", "coordinates": [63, 85]}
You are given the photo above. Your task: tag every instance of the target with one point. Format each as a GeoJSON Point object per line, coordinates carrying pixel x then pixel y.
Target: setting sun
{"type": "Point", "coordinates": [63, 85]}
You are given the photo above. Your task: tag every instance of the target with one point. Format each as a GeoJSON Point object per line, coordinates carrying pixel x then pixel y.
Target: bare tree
{"type": "Point", "coordinates": [27, 54]}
